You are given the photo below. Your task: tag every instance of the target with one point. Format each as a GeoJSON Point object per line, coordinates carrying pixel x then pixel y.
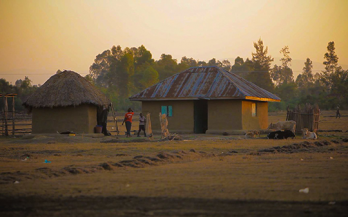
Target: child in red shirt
{"type": "Point", "coordinates": [128, 119]}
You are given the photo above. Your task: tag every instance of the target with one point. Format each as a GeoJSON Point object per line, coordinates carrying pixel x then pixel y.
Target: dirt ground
{"type": "Point", "coordinates": [200, 175]}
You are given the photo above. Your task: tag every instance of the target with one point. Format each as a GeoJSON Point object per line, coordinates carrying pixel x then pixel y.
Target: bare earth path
{"type": "Point", "coordinates": [204, 176]}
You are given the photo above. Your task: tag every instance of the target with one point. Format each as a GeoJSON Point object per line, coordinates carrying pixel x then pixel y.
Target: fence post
{"type": "Point", "coordinates": [5, 115]}
{"type": "Point", "coordinates": [13, 116]}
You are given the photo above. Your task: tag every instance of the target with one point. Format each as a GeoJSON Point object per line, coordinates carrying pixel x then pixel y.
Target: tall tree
{"type": "Point", "coordinates": [276, 74]}
{"type": "Point", "coordinates": [331, 58]}
{"type": "Point", "coordinates": [262, 62]}
{"type": "Point", "coordinates": [142, 56]}
{"type": "Point", "coordinates": [125, 74]}
{"type": "Point", "coordinates": [286, 59]}
{"type": "Point", "coordinates": [306, 78]}
{"type": "Point", "coordinates": [287, 74]}
{"type": "Point", "coordinates": [283, 74]}
{"type": "Point", "coordinates": [331, 65]}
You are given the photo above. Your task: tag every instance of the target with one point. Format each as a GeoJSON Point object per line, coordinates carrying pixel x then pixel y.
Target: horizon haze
{"type": "Point", "coordinates": [39, 37]}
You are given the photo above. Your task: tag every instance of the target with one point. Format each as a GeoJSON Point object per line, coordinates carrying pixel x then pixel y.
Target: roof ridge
{"type": "Point", "coordinates": [224, 73]}
{"type": "Point", "coordinates": [207, 82]}
{"type": "Point", "coordinates": [245, 80]}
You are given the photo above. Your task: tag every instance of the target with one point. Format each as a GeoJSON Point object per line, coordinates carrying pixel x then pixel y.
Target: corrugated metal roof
{"type": "Point", "coordinates": [204, 83]}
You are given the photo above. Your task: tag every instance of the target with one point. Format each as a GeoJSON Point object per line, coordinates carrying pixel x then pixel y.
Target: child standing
{"type": "Point", "coordinates": [142, 120]}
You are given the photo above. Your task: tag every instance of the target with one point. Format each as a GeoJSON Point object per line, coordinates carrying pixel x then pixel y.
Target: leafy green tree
{"type": "Point", "coordinates": [225, 64]}
{"type": "Point", "coordinates": [166, 66]}
{"type": "Point", "coordinates": [339, 87]}
{"type": "Point", "coordinates": [90, 79]}
{"type": "Point", "coordinates": [186, 63]}
{"type": "Point", "coordinates": [5, 86]}
{"type": "Point", "coordinates": [119, 72]}
{"type": "Point", "coordinates": [26, 83]}
{"type": "Point", "coordinates": [148, 78]}
{"type": "Point", "coordinates": [214, 62]}
{"type": "Point", "coordinates": [202, 63]}
{"type": "Point", "coordinates": [142, 56]}
{"type": "Point", "coordinates": [125, 74]}
{"type": "Point", "coordinates": [242, 68]}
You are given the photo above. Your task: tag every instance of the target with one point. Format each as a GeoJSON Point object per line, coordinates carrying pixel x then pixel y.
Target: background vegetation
{"type": "Point", "coordinates": [120, 73]}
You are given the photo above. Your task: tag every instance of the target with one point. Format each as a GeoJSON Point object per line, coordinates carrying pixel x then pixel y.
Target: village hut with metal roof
{"type": "Point", "coordinates": [66, 102]}
{"type": "Point", "coordinates": [207, 100]}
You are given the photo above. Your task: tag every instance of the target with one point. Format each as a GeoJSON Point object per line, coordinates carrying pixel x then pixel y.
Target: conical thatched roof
{"type": "Point", "coordinates": [66, 89]}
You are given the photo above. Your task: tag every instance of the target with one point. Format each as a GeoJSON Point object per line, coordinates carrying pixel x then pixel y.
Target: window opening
{"type": "Point", "coordinates": [253, 109]}
{"type": "Point", "coordinates": [168, 110]}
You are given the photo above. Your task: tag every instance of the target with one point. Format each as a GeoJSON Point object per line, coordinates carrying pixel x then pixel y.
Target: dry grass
{"type": "Point", "coordinates": [327, 119]}
{"type": "Point", "coordinates": [271, 177]}
{"type": "Point", "coordinates": [222, 167]}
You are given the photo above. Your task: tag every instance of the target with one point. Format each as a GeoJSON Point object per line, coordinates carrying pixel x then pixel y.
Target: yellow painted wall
{"type": "Point", "coordinates": [224, 116]}
{"type": "Point", "coordinates": [80, 119]}
{"type": "Point", "coordinates": [182, 120]}
{"type": "Point", "coordinates": [230, 116]}
{"type": "Point", "coordinates": [261, 119]}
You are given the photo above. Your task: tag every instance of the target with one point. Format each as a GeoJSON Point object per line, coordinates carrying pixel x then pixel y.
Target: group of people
{"type": "Point", "coordinates": [128, 121]}
{"type": "Point", "coordinates": [129, 116]}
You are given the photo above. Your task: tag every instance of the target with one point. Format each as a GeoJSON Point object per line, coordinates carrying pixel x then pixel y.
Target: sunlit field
{"type": "Point", "coordinates": [200, 175]}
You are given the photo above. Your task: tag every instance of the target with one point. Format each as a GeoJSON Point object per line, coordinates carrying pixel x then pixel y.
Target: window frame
{"type": "Point", "coordinates": [167, 109]}
{"type": "Point", "coordinates": [253, 109]}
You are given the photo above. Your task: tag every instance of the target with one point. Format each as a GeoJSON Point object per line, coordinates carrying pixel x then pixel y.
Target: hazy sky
{"type": "Point", "coordinates": [39, 37]}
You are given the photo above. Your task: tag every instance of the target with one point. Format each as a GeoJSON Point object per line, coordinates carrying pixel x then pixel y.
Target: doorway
{"type": "Point", "coordinates": [200, 116]}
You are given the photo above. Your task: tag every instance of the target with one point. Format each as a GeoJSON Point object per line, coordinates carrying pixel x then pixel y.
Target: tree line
{"type": "Point", "coordinates": [23, 88]}
{"type": "Point", "coordinates": [120, 73]}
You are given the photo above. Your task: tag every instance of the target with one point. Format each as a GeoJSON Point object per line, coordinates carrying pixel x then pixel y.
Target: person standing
{"type": "Point", "coordinates": [128, 120]}
{"type": "Point", "coordinates": [142, 120]}
{"type": "Point", "coordinates": [338, 112]}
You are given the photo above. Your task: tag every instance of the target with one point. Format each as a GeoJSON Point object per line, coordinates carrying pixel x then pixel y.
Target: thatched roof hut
{"type": "Point", "coordinates": [67, 88]}
{"type": "Point", "coordinates": [66, 102]}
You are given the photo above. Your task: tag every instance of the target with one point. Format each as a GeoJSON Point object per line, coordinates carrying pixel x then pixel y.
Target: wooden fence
{"type": "Point", "coordinates": [20, 124]}
{"type": "Point", "coordinates": [10, 118]}
{"type": "Point", "coordinates": [306, 117]}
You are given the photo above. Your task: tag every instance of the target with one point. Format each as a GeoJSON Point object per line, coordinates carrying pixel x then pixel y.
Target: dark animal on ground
{"type": "Point", "coordinates": [281, 134]}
